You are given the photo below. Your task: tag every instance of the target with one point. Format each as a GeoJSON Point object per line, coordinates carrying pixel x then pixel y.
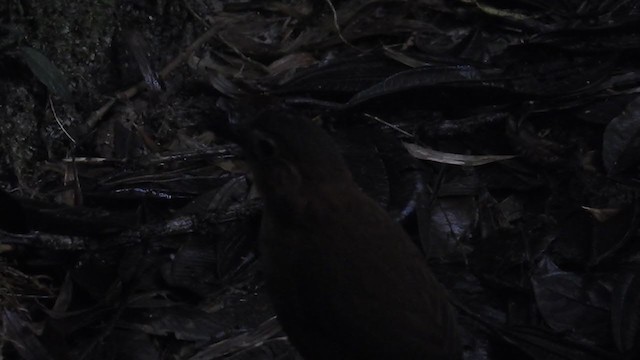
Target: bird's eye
{"type": "Point", "coordinates": [264, 146]}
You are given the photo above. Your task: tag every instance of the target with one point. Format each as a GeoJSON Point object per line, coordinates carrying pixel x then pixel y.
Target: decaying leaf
{"type": "Point", "coordinates": [423, 153]}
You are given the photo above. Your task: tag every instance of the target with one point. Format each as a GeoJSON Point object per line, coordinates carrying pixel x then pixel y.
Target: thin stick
{"type": "Point", "coordinates": [164, 73]}
{"type": "Point", "coordinates": [55, 116]}
{"type": "Point", "coordinates": [394, 127]}
{"type": "Point", "coordinates": [337, 26]}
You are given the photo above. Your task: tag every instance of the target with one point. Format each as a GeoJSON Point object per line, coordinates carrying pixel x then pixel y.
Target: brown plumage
{"type": "Point", "coordinates": [345, 279]}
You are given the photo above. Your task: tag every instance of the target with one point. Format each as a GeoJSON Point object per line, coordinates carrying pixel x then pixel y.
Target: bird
{"type": "Point", "coordinates": [345, 280]}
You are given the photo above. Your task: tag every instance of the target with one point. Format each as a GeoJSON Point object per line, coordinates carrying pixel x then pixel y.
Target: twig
{"type": "Point", "coordinates": [337, 26]}
{"type": "Point", "coordinates": [195, 14]}
{"type": "Point", "coordinates": [55, 116]}
{"type": "Point", "coordinates": [242, 55]}
{"type": "Point", "coordinates": [135, 89]}
{"type": "Point", "coordinates": [394, 127]}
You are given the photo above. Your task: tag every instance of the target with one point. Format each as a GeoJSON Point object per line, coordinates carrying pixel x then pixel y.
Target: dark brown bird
{"type": "Point", "coordinates": [345, 279]}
